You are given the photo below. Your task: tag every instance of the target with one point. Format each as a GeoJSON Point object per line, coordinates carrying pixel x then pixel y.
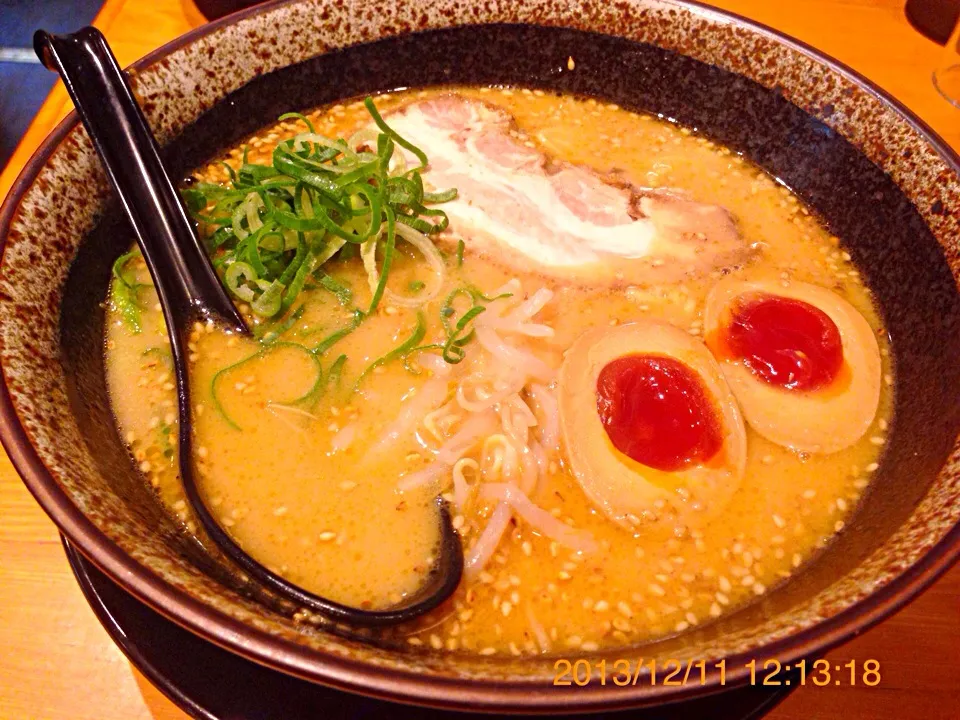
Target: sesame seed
{"type": "Point", "coordinates": [722, 598]}
{"type": "Point", "coordinates": [131, 437]}
{"type": "Point", "coordinates": [758, 588]}
{"type": "Point", "coordinates": [505, 608]}
{"type": "Point", "coordinates": [602, 606]}
{"type": "Point", "coordinates": [841, 504]}
{"type": "Point", "coordinates": [624, 609]}
{"type": "Point", "coordinates": [563, 575]}
{"type": "Point", "coordinates": [574, 641]}
{"type": "Point", "coordinates": [681, 626]}
{"type": "Point", "coordinates": [838, 526]}
{"type": "Point", "coordinates": [570, 63]}
{"type": "Point", "coordinates": [527, 548]}
{"type": "Point", "coordinates": [872, 467]}
{"type": "Point", "coordinates": [724, 584]}
{"type": "Point", "coordinates": [809, 494]}
{"type": "Point", "coordinates": [691, 618]}
{"type": "Point", "coordinates": [202, 451]}
{"type": "Point", "coordinates": [327, 536]}
{"type": "Point", "coordinates": [414, 641]}
{"type": "Point", "coordinates": [280, 511]}
{"type": "Point", "coordinates": [145, 466]}
{"type": "Point", "coordinates": [747, 580]}
{"type": "Point", "coordinates": [347, 485]}
{"type": "Point", "coordinates": [779, 521]}
{"type": "Point", "coordinates": [656, 589]}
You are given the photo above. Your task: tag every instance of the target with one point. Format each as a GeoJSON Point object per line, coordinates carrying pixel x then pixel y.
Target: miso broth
{"type": "Point", "coordinates": [326, 465]}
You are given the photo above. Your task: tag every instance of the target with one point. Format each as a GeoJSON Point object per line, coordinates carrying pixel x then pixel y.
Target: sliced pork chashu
{"type": "Point", "coordinates": [521, 206]}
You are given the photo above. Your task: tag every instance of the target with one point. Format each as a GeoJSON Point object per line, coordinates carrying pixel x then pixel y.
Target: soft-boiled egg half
{"type": "Point", "coordinates": [802, 361]}
{"type": "Point", "coordinates": [652, 431]}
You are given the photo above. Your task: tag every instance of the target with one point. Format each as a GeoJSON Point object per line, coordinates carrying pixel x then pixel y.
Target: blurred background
{"type": "Point", "coordinates": [25, 84]}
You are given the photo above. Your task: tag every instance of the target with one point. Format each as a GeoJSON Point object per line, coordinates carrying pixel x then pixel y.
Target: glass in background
{"type": "Point", "coordinates": [946, 77]}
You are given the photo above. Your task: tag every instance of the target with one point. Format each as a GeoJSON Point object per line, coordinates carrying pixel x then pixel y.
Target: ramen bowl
{"type": "Point", "coordinates": [879, 179]}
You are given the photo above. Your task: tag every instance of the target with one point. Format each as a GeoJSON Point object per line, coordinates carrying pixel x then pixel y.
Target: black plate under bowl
{"type": "Point", "coordinates": [210, 683]}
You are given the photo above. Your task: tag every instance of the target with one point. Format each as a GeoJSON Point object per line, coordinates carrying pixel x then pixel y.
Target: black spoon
{"type": "Point", "coordinates": [190, 291]}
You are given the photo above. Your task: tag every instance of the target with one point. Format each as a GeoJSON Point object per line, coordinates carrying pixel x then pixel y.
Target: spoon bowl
{"type": "Point", "coordinates": [190, 292]}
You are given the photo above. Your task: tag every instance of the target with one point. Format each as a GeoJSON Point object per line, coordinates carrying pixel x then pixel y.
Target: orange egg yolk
{"type": "Point", "coordinates": [657, 411]}
{"type": "Point", "coordinates": [786, 342]}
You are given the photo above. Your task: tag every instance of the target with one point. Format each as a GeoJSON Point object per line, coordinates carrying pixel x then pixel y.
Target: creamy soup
{"type": "Point", "coordinates": [648, 383]}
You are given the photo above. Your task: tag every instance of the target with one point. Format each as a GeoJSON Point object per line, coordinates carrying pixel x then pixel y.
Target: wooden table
{"type": "Point", "coordinates": [57, 662]}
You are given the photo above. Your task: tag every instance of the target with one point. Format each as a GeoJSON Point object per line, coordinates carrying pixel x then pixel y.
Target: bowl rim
{"type": "Point", "coordinates": [522, 694]}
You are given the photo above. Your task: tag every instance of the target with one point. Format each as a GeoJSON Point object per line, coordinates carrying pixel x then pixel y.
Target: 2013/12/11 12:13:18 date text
{"type": "Point", "coordinates": [623, 672]}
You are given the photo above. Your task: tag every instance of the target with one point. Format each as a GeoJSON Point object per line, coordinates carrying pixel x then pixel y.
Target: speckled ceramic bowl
{"type": "Point", "coordinates": [882, 181]}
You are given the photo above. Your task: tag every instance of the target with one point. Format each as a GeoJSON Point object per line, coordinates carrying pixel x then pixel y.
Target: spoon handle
{"type": "Point", "coordinates": [187, 284]}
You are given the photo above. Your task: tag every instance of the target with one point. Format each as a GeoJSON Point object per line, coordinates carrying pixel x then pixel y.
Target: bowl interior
{"type": "Point", "coordinates": [878, 224]}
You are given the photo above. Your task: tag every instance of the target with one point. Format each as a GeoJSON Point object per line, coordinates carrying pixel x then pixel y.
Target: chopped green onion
{"type": "Point", "coordinates": [342, 291]}
{"type": "Point", "coordinates": [124, 292]}
{"type": "Point", "coordinates": [415, 351]}
{"type": "Point", "coordinates": [369, 259]}
{"type": "Point", "coordinates": [166, 447]}
{"type": "Point", "coordinates": [440, 197]}
{"type": "Point", "coordinates": [392, 134]}
{"type": "Point", "coordinates": [160, 352]}
{"type": "Point", "coordinates": [477, 295]}
{"type": "Point", "coordinates": [296, 116]}
{"type": "Point", "coordinates": [237, 277]}
{"type": "Point", "coordinates": [268, 304]}
{"type": "Point", "coordinates": [460, 247]}
{"type": "Point", "coordinates": [214, 393]}
{"type": "Point", "coordinates": [336, 370]}
{"type": "Point", "coordinates": [402, 349]}
{"type": "Point", "coordinates": [276, 224]}
{"type": "Point", "coordinates": [453, 351]}
{"type": "Point", "coordinates": [272, 332]}
{"type": "Point", "coordinates": [338, 335]}
{"type": "Point", "coordinates": [195, 200]}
